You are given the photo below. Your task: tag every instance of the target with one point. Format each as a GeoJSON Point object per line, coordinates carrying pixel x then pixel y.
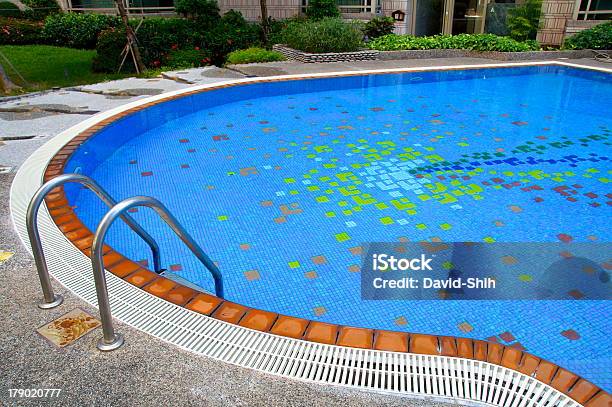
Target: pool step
{"type": "Point", "coordinates": [178, 279]}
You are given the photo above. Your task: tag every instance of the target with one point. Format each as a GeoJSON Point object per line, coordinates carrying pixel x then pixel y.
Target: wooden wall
{"type": "Point", "coordinates": [555, 15]}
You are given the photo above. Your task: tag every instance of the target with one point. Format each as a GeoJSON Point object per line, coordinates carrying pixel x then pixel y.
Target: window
{"type": "Point", "coordinates": [593, 10]}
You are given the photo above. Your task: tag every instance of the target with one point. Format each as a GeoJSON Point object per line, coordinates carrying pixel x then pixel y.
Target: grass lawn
{"type": "Point", "coordinates": [45, 67]}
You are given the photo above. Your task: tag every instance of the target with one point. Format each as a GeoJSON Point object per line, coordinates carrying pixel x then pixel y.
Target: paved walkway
{"type": "Point", "coordinates": [145, 371]}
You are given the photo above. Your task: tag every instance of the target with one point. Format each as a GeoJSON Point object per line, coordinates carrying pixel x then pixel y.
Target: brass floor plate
{"type": "Point", "coordinates": [69, 327]}
{"type": "Point", "coordinates": [5, 255]}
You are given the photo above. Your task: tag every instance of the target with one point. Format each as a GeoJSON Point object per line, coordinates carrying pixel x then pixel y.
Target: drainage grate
{"type": "Point", "coordinates": [438, 377]}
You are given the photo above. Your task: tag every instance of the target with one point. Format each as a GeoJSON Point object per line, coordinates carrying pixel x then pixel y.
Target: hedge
{"type": "Point", "coordinates": [253, 55]}
{"type": "Point", "coordinates": [76, 30]}
{"type": "Point", "coordinates": [325, 35]}
{"type": "Point", "coordinates": [598, 37]}
{"type": "Point", "coordinates": [172, 42]}
{"type": "Point", "coordinates": [19, 32]}
{"type": "Point", "coordinates": [474, 42]}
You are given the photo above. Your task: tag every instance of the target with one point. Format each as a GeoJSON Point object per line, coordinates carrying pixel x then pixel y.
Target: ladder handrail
{"type": "Point", "coordinates": [112, 340]}
{"type": "Point", "coordinates": [50, 299]}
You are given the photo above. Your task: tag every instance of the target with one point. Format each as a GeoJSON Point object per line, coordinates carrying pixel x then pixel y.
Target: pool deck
{"type": "Point", "coordinates": [146, 371]}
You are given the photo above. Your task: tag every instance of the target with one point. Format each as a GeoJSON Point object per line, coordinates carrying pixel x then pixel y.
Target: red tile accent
{"type": "Point", "coordinates": [571, 334]}
{"type": "Point", "coordinates": [355, 337]}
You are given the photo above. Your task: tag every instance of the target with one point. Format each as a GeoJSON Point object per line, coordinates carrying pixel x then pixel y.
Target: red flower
{"type": "Point", "coordinates": [197, 48]}
{"type": "Point", "coordinates": [174, 46]}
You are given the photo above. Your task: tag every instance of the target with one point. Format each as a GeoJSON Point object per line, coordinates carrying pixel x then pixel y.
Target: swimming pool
{"type": "Point", "coordinates": [282, 190]}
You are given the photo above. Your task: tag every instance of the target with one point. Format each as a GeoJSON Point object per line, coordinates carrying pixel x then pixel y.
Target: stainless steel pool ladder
{"type": "Point", "coordinates": [52, 300]}
{"type": "Point", "coordinates": [110, 340]}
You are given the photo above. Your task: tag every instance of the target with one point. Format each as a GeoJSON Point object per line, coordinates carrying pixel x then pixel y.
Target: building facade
{"type": "Point", "coordinates": [560, 18]}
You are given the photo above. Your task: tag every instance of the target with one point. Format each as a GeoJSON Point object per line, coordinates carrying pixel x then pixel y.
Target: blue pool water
{"type": "Point", "coordinates": [281, 183]}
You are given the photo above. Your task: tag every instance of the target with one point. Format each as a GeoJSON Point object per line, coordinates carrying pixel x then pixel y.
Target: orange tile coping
{"type": "Point", "coordinates": [258, 320]}
{"type": "Point", "coordinates": [204, 303]}
{"type": "Point", "coordinates": [289, 326]}
{"type": "Point", "coordinates": [575, 387]}
{"type": "Point", "coordinates": [391, 341]}
{"type": "Point", "coordinates": [230, 312]}
{"type": "Point", "coordinates": [322, 332]}
{"type": "Point", "coordinates": [355, 337]}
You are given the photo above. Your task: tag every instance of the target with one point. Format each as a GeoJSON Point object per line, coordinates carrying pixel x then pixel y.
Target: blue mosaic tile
{"type": "Point", "coordinates": [285, 186]}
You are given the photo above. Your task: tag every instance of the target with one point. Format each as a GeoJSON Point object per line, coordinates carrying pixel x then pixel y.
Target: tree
{"type": "Point", "coordinates": [265, 22]}
{"type": "Point", "coordinates": [131, 37]}
{"type": "Point", "coordinates": [6, 85]}
{"type": "Point", "coordinates": [524, 20]}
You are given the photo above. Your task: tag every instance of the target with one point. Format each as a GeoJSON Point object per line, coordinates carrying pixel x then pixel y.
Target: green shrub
{"type": "Point", "coordinates": [186, 58]}
{"type": "Point", "coordinates": [524, 20]}
{"type": "Point", "coordinates": [19, 32]}
{"type": "Point", "coordinates": [40, 9]}
{"type": "Point", "coordinates": [8, 9]}
{"type": "Point", "coordinates": [252, 55]}
{"type": "Point", "coordinates": [108, 52]}
{"type": "Point", "coordinates": [158, 36]}
{"type": "Point", "coordinates": [277, 27]}
{"type": "Point", "coordinates": [232, 33]}
{"type": "Point", "coordinates": [177, 42]}
{"type": "Point", "coordinates": [473, 42]}
{"type": "Point", "coordinates": [379, 26]}
{"type": "Point", "coordinates": [326, 35]}
{"type": "Point", "coordinates": [318, 9]}
{"type": "Point", "coordinates": [206, 12]}
{"type": "Point", "coordinates": [77, 30]}
{"type": "Point", "coordinates": [598, 37]}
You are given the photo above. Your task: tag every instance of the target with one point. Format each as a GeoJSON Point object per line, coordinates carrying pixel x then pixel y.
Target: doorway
{"type": "Point", "coordinates": [468, 16]}
{"type": "Point", "coordinates": [433, 17]}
